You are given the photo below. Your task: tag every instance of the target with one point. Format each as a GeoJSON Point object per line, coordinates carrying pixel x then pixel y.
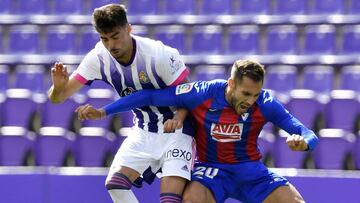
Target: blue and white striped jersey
{"type": "Point", "coordinates": [153, 65]}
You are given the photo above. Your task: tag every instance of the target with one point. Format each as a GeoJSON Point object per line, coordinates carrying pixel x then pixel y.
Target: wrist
{"type": "Point", "coordinates": [102, 113]}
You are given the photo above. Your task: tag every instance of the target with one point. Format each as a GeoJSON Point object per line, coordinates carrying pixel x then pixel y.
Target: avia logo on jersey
{"type": "Point", "coordinates": [226, 132]}
{"type": "Point", "coordinates": [178, 153]}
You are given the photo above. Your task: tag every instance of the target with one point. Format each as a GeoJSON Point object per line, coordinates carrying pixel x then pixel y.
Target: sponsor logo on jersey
{"type": "Point", "coordinates": [143, 77]}
{"type": "Point", "coordinates": [184, 88]}
{"type": "Point", "coordinates": [175, 65]}
{"type": "Point", "coordinates": [178, 153]}
{"type": "Point", "coordinates": [185, 168]}
{"type": "Point", "coordinates": [226, 132]}
{"type": "Point", "coordinates": [127, 91]}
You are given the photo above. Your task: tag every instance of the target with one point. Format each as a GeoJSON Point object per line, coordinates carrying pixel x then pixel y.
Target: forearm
{"type": "Point", "coordinates": [310, 138]}
{"type": "Point", "coordinates": [164, 97]}
{"type": "Point", "coordinates": [181, 114]}
{"type": "Point", "coordinates": [56, 96]}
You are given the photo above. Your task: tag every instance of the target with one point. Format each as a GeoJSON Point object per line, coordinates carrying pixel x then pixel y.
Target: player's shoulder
{"type": "Point", "coordinates": [209, 86]}
{"type": "Point", "coordinates": [99, 50]}
{"type": "Point", "coordinates": [265, 97]}
{"type": "Point", "coordinates": [151, 46]}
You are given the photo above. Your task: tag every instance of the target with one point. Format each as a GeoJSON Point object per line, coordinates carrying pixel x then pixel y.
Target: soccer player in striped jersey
{"type": "Point", "coordinates": [229, 116]}
{"type": "Point", "coordinates": [129, 63]}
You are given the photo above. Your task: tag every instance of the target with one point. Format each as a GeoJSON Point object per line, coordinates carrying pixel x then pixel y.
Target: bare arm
{"type": "Point", "coordinates": [62, 87]}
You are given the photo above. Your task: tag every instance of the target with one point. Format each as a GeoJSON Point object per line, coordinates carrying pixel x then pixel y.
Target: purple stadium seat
{"type": "Point", "coordinates": [320, 39]}
{"type": "Point", "coordinates": [173, 36]}
{"type": "Point", "coordinates": [351, 40]}
{"type": "Point", "coordinates": [24, 39]}
{"type": "Point", "coordinates": [254, 7]}
{"type": "Point", "coordinates": [52, 146]}
{"type": "Point", "coordinates": [304, 106]}
{"type": "Point", "coordinates": [281, 78]}
{"type": "Point", "coordinates": [209, 72]}
{"type": "Point", "coordinates": [94, 145]}
{"type": "Point", "coordinates": [334, 145]}
{"type": "Point", "coordinates": [356, 153]}
{"type": "Point", "coordinates": [59, 115]}
{"type": "Point", "coordinates": [285, 157]}
{"type": "Point", "coordinates": [18, 108]}
{"type": "Point", "coordinates": [354, 7]}
{"type": "Point", "coordinates": [140, 30]}
{"type": "Point", "coordinates": [30, 7]}
{"type": "Point", "coordinates": [60, 40]}
{"type": "Point", "coordinates": [207, 40]}
{"type": "Point", "coordinates": [319, 78]}
{"type": "Point", "coordinates": [4, 78]}
{"type": "Point", "coordinates": [327, 6]}
{"type": "Point", "coordinates": [1, 41]}
{"type": "Point", "coordinates": [30, 77]}
{"type": "Point", "coordinates": [215, 7]}
{"type": "Point", "coordinates": [181, 7]}
{"type": "Point", "coordinates": [282, 39]}
{"type": "Point", "coordinates": [143, 7]}
{"type": "Point", "coordinates": [350, 78]}
{"type": "Point", "coordinates": [243, 39]}
{"type": "Point", "coordinates": [98, 3]}
{"type": "Point", "coordinates": [88, 39]}
{"type": "Point", "coordinates": [16, 143]}
{"type": "Point", "coordinates": [5, 6]}
{"type": "Point", "coordinates": [290, 7]}
{"type": "Point", "coordinates": [68, 7]}
{"type": "Point", "coordinates": [342, 110]}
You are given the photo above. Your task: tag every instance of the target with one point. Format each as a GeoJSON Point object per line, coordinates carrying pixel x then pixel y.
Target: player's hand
{"type": "Point", "coordinates": [59, 76]}
{"type": "Point", "coordinates": [296, 143]}
{"type": "Point", "coordinates": [171, 125]}
{"type": "Point", "coordinates": [88, 112]}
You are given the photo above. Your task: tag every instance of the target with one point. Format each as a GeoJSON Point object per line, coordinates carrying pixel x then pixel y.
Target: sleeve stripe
{"type": "Point", "coordinates": [80, 78]}
{"type": "Point", "coordinates": [181, 77]}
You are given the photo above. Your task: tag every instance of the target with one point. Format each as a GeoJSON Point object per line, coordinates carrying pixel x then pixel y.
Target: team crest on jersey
{"type": "Point", "coordinates": [226, 132]}
{"type": "Point", "coordinates": [184, 88]}
{"type": "Point", "coordinates": [127, 91]}
{"type": "Point", "coordinates": [143, 77]}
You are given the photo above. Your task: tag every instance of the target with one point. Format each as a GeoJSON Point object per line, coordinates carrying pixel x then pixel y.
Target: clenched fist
{"type": "Point", "coordinates": [88, 112]}
{"type": "Point", "coordinates": [296, 142]}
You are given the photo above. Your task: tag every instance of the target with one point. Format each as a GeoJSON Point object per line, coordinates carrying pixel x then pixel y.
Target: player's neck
{"type": "Point", "coordinates": [127, 58]}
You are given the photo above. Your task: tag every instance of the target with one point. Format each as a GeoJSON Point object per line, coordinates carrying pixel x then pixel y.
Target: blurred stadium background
{"type": "Point", "coordinates": [311, 49]}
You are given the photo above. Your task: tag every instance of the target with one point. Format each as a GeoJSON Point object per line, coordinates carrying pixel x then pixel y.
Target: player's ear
{"type": "Point", "coordinates": [128, 28]}
{"type": "Point", "coordinates": [231, 83]}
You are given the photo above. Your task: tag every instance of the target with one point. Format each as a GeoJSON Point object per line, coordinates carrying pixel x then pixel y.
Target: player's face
{"type": "Point", "coordinates": [243, 95]}
{"type": "Point", "coordinates": [118, 43]}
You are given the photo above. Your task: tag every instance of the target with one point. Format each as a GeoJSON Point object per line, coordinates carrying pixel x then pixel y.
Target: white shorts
{"type": "Point", "coordinates": [173, 152]}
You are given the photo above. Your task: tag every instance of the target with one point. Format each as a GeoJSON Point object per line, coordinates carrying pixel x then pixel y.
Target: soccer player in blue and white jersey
{"type": "Point", "coordinates": [129, 63]}
{"type": "Point", "coordinates": [229, 116]}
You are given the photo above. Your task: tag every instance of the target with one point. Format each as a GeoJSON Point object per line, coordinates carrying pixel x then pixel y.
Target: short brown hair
{"type": "Point", "coordinates": [108, 17]}
{"type": "Point", "coordinates": [248, 68]}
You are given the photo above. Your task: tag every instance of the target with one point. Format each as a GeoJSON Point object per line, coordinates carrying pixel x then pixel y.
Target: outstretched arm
{"type": "Point", "coordinates": [163, 97]}
{"type": "Point", "coordinates": [62, 87]}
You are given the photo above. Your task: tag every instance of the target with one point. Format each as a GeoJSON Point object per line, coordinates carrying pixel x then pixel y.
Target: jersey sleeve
{"type": "Point", "coordinates": [185, 95]}
{"type": "Point", "coordinates": [278, 115]}
{"type": "Point", "coordinates": [89, 68]}
{"type": "Point", "coordinates": [171, 67]}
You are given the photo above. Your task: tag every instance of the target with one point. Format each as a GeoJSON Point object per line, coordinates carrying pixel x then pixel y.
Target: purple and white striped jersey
{"type": "Point", "coordinates": [153, 65]}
